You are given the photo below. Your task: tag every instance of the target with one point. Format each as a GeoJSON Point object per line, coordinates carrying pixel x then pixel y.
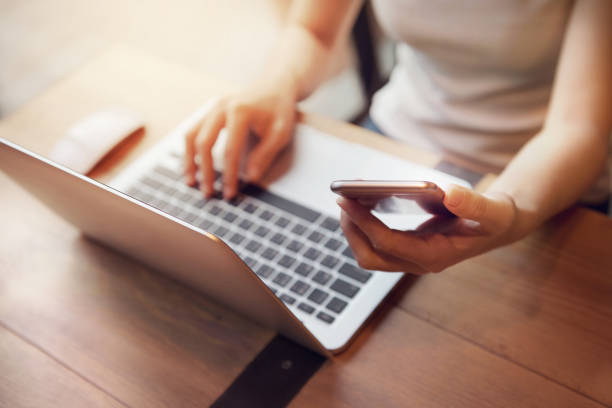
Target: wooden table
{"type": "Point", "coordinates": [80, 325]}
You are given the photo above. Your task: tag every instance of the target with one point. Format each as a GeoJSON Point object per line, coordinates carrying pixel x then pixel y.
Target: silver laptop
{"type": "Point", "coordinates": [275, 254]}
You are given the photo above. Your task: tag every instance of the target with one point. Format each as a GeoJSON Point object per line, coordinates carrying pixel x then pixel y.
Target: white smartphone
{"type": "Point", "coordinates": [379, 193]}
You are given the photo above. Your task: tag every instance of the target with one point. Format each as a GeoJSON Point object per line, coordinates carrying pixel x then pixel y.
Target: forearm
{"type": "Point", "coordinates": [550, 173]}
{"type": "Point", "coordinates": [557, 166]}
{"type": "Point", "coordinates": [300, 61]}
{"type": "Point", "coordinates": [315, 29]}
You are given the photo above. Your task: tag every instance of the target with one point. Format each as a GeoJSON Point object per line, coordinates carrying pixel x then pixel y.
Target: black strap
{"type": "Point", "coordinates": [273, 378]}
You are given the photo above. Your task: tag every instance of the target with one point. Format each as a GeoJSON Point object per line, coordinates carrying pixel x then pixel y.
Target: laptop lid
{"type": "Point", "coordinates": [162, 242]}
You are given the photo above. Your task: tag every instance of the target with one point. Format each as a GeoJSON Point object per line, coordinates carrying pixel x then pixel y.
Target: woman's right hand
{"type": "Point", "coordinates": [267, 109]}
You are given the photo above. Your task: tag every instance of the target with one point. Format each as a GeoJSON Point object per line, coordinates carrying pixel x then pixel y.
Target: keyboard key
{"type": "Point", "coordinates": [300, 287]}
{"type": "Point", "coordinates": [245, 224]}
{"type": "Point", "coordinates": [169, 190]}
{"type": "Point", "coordinates": [322, 277]}
{"type": "Point", "coordinates": [250, 208]}
{"type": "Point", "coordinates": [165, 205]}
{"type": "Point", "coordinates": [173, 210]}
{"type": "Point", "coordinates": [215, 210]}
{"type": "Point", "coordinates": [230, 216]}
{"type": "Point", "coordinates": [287, 299]}
{"type": "Point", "coordinates": [164, 171]}
{"type": "Point", "coordinates": [221, 231]}
{"type": "Point", "coordinates": [185, 197]}
{"type": "Point", "coordinates": [304, 269]}
{"type": "Point", "coordinates": [333, 244]}
{"type": "Point", "coordinates": [345, 288]}
{"type": "Point", "coordinates": [347, 252]}
{"type": "Point", "coordinates": [205, 224]}
{"type": "Point", "coordinates": [282, 222]}
{"type": "Point", "coordinates": [286, 261]}
{"type": "Point", "coordinates": [154, 184]}
{"type": "Point", "coordinates": [266, 215]}
{"type": "Point", "coordinates": [250, 262]}
{"type": "Point", "coordinates": [315, 236]}
{"type": "Point", "coordinates": [298, 229]}
{"type": "Point", "coordinates": [145, 197]}
{"type": "Point", "coordinates": [325, 317]}
{"type": "Point", "coordinates": [237, 238]}
{"type": "Point", "coordinates": [306, 308]}
{"type": "Point", "coordinates": [282, 279]}
{"type": "Point", "coordinates": [200, 203]}
{"type": "Point", "coordinates": [330, 261]}
{"type": "Point", "coordinates": [265, 271]}
{"type": "Point", "coordinates": [355, 273]}
{"type": "Point", "coordinates": [330, 224]}
{"type": "Point", "coordinates": [336, 305]}
{"type": "Point", "coordinates": [159, 204]}
{"type": "Point", "coordinates": [278, 238]}
{"type": "Point", "coordinates": [269, 253]}
{"type": "Point", "coordinates": [189, 217]}
{"type": "Point", "coordinates": [253, 246]}
{"type": "Point", "coordinates": [295, 246]}
{"type": "Point", "coordinates": [262, 231]}
{"type": "Point", "coordinates": [312, 253]}
{"type": "Point", "coordinates": [318, 296]}
{"type": "Point", "coordinates": [133, 192]}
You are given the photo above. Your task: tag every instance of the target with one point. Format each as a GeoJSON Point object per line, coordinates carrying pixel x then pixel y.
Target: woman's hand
{"type": "Point", "coordinates": [484, 222]}
{"type": "Point", "coordinates": [267, 109]}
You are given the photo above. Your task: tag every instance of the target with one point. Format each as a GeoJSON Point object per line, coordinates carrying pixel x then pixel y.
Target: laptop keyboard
{"type": "Point", "coordinates": [299, 253]}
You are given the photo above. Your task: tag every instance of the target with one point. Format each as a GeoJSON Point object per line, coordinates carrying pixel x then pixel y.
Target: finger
{"type": "Point", "coordinates": [493, 213]}
{"type": "Point", "coordinates": [439, 224]}
{"type": "Point", "coordinates": [205, 141]}
{"type": "Point", "coordinates": [191, 150]}
{"type": "Point", "coordinates": [237, 129]}
{"type": "Point", "coordinates": [268, 148]}
{"type": "Point", "coordinates": [368, 257]}
{"type": "Point", "coordinates": [369, 202]}
{"type": "Point", "coordinates": [189, 164]}
{"type": "Point", "coordinates": [401, 244]}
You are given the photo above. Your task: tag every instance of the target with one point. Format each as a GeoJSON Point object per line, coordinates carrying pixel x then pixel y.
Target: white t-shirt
{"type": "Point", "coordinates": [473, 77]}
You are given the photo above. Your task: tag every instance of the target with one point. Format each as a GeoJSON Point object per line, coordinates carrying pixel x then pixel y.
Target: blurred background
{"type": "Point", "coordinates": [42, 41]}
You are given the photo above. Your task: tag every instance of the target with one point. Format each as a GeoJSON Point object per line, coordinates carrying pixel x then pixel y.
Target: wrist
{"type": "Point", "coordinates": [277, 82]}
{"type": "Point", "coordinates": [522, 222]}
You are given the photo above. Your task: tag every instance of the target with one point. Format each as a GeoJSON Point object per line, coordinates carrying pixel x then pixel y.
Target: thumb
{"type": "Point", "coordinates": [493, 213]}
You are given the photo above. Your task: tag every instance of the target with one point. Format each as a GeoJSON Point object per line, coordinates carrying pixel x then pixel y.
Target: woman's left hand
{"type": "Point", "coordinates": [483, 222]}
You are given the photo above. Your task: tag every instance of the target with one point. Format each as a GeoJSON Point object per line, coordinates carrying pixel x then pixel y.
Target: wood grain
{"type": "Point", "coordinates": [150, 340]}
{"type": "Point", "coordinates": [544, 302]}
{"type": "Point", "coordinates": [31, 379]}
{"type": "Point", "coordinates": [401, 361]}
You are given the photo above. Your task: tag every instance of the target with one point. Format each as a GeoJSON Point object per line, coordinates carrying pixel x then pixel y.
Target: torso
{"type": "Point", "coordinates": [478, 70]}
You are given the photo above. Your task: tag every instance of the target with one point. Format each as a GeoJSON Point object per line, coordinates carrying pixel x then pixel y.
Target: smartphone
{"type": "Point", "coordinates": [381, 194]}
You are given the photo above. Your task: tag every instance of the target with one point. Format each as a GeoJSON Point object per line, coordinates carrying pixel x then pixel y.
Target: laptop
{"type": "Point", "coordinates": [276, 253]}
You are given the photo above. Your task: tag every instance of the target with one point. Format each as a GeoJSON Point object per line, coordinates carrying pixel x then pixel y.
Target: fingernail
{"type": "Point", "coordinates": [456, 196]}
{"type": "Point", "coordinates": [341, 201]}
